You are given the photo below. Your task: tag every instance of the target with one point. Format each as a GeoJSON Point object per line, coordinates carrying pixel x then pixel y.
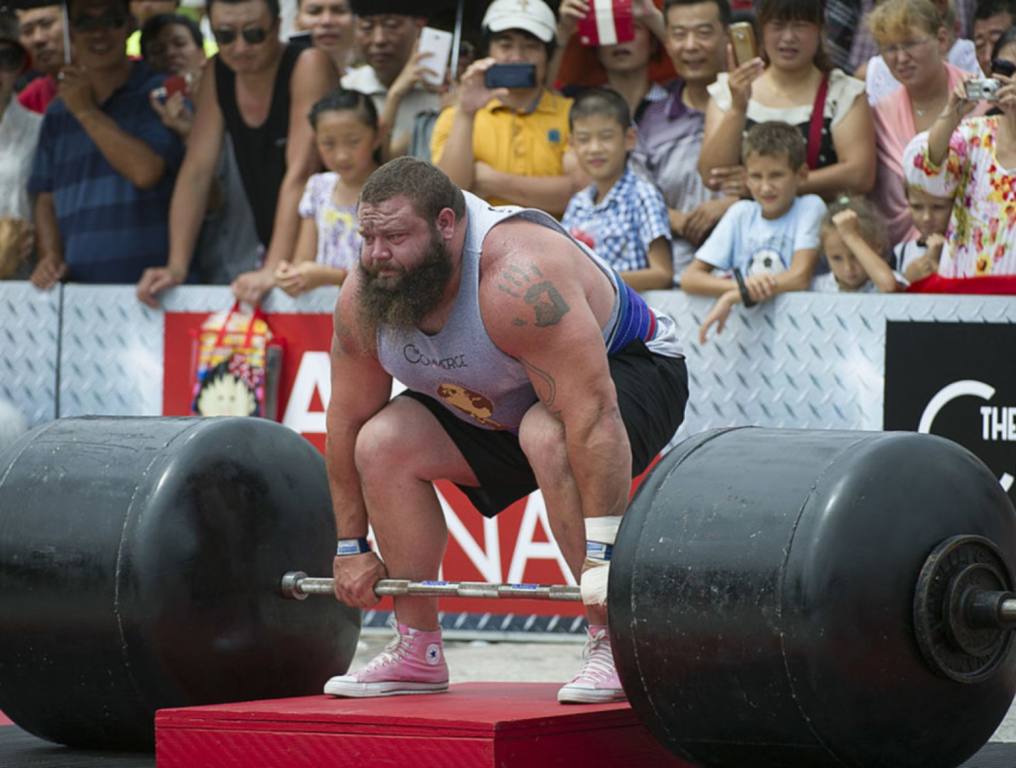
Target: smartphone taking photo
{"type": "Point", "coordinates": [742, 40]}
{"type": "Point", "coordinates": [438, 44]}
{"type": "Point", "coordinates": [510, 76]}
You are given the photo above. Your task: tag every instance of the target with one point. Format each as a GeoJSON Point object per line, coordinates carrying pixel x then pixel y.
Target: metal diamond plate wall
{"type": "Point", "coordinates": [111, 357]}
{"type": "Point", "coordinates": [806, 360]}
{"type": "Point", "coordinates": [29, 329]}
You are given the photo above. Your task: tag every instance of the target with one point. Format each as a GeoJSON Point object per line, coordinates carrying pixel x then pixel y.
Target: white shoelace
{"type": "Point", "coordinates": [393, 653]}
{"type": "Point", "coordinates": [599, 662]}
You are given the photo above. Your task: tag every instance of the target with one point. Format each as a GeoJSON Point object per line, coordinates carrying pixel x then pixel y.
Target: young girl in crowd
{"type": "Point", "coordinates": [917, 259]}
{"type": "Point", "coordinates": [349, 141]}
{"type": "Point", "coordinates": [854, 242]}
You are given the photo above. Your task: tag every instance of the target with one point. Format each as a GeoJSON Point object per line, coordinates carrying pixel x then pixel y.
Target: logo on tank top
{"type": "Point", "coordinates": [413, 355]}
{"type": "Point", "coordinates": [473, 404]}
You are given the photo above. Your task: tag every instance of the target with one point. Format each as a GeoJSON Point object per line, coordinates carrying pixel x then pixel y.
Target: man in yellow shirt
{"type": "Point", "coordinates": [510, 146]}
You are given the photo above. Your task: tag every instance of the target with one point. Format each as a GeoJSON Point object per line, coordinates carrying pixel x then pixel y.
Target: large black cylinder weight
{"type": "Point", "coordinates": [139, 568]}
{"type": "Point", "coordinates": [762, 600]}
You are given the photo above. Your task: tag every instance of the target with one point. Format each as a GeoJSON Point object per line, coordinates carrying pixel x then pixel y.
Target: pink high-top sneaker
{"type": "Point", "coordinates": [413, 662]}
{"type": "Point", "coordinates": [597, 682]}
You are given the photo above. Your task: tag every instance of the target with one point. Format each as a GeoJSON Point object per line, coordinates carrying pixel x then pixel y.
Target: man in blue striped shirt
{"type": "Point", "coordinates": [103, 174]}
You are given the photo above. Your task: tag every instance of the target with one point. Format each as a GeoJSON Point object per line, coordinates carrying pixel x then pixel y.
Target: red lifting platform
{"type": "Point", "coordinates": [507, 725]}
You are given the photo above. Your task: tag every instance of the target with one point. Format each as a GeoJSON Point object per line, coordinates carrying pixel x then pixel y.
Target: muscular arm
{"type": "Point", "coordinates": [535, 301]}
{"type": "Point", "coordinates": [360, 388]}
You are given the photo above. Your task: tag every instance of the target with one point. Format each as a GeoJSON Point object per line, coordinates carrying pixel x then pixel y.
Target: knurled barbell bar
{"type": "Point", "coordinates": [777, 597]}
{"type": "Point", "coordinates": [297, 585]}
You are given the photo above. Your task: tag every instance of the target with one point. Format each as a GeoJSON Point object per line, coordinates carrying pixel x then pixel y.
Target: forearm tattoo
{"type": "Point", "coordinates": [543, 383]}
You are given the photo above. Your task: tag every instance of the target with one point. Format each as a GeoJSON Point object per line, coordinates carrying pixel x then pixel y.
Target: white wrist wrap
{"type": "Point", "coordinates": [600, 535]}
{"type": "Point", "coordinates": [602, 529]}
{"type": "Point", "coordinates": [593, 584]}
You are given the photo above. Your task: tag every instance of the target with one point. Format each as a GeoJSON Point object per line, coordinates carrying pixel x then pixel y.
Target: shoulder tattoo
{"type": "Point", "coordinates": [528, 284]}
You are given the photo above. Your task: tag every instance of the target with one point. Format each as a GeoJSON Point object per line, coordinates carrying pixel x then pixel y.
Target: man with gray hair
{"type": "Point", "coordinates": [529, 364]}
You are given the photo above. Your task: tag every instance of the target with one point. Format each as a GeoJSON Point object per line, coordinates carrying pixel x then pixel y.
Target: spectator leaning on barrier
{"type": "Point", "coordinates": [103, 173]}
{"type": "Point", "coordinates": [42, 34]}
{"type": "Point", "coordinates": [670, 135]}
{"type": "Point", "coordinates": [386, 36]}
{"type": "Point", "coordinates": [620, 215]}
{"type": "Point", "coordinates": [256, 81]}
{"type": "Point", "coordinates": [795, 82]}
{"type": "Point", "coordinates": [919, 257]}
{"type": "Point", "coordinates": [510, 146]}
{"type": "Point", "coordinates": [19, 133]}
{"type": "Point", "coordinates": [769, 244]}
{"type": "Point", "coordinates": [349, 140]}
{"type": "Point", "coordinates": [854, 245]}
{"type": "Point", "coordinates": [991, 20]}
{"type": "Point", "coordinates": [228, 243]}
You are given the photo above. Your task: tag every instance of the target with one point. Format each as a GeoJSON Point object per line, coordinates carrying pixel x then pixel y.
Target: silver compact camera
{"type": "Point", "coordinates": [981, 89]}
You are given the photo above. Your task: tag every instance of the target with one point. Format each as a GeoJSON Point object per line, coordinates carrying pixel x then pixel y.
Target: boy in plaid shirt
{"type": "Point", "coordinates": [620, 215]}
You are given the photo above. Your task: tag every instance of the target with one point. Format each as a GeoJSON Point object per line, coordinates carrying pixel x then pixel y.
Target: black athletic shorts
{"type": "Point", "coordinates": [651, 394]}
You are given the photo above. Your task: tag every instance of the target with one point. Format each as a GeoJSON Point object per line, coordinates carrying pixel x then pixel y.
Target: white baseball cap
{"type": "Point", "coordinates": [532, 16]}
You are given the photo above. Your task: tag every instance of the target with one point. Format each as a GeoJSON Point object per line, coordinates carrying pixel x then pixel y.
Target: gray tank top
{"type": "Point", "coordinates": [462, 368]}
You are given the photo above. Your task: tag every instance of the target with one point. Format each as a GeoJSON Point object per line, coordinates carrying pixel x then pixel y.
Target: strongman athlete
{"type": "Point", "coordinates": [529, 364]}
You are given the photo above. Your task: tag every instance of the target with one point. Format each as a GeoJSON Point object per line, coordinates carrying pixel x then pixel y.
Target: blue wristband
{"type": "Point", "coordinates": [596, 550]}
{"type": "Point", "coordinates": [352, 547]}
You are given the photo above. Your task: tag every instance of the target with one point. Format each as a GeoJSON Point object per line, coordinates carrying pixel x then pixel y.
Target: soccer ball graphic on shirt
{"type": "Point", "coordinates": [765, 261]}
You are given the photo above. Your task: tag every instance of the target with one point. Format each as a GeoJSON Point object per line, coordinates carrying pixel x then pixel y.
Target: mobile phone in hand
{"type": "Point", "coordinates": [438, 44]}
{"type": "Point", "coordinates": [510, 76]}
{"type": "Point", "coordinates": [172, 84]}
{"type": "Point", "coordinates": [742, 38]}
{"type": "Point", "coordinates": [175, 84]}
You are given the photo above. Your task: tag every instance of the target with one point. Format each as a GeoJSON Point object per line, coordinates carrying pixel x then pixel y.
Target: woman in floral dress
{"type": "Point", "coordinates": [974, 162]}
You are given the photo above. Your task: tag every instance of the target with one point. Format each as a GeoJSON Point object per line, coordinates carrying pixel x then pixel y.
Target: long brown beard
{"type": "Point", "coordinates": [415, 293]}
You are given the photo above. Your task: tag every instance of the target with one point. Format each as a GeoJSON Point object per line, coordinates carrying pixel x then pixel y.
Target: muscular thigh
{"type": "Point", "coordinates": [409, 438]}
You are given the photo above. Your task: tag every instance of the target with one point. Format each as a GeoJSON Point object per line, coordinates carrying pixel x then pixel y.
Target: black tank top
{"type": "Point", "coordinates": [260, 152]}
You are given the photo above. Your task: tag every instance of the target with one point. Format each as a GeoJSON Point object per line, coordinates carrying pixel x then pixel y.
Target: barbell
{"type": "Point", "coordinates": [777, 597]}
{"type": "Point", "coordinates": [297, 585]}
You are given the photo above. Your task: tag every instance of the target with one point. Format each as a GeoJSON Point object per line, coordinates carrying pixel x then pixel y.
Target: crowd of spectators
{"type": "Point", "coordinates": [145, 143]}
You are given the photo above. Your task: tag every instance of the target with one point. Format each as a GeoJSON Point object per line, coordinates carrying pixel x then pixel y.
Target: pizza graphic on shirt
{"type": "Point", "coordinates": [473, 404]}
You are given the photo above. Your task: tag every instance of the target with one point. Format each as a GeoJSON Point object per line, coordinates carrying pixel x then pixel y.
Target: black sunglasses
{"type": "Point", "coordinates": [95, 23]}
{"type": "Point", "coordinates": [1002, 67]}
{"type": "Point", "coordinates": [12, 58]}
{"type": "Point", "coordinates": [251, 35]}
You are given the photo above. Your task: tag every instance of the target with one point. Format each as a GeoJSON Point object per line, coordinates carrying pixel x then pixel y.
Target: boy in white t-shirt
{"type": "Point", "coordinates": [768, 245]}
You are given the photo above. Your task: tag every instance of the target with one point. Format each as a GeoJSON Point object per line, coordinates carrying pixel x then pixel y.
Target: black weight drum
{"type": "Point", "coordinates": [762, 599]}
{"type": "Point", "coordinates": [139, 568]}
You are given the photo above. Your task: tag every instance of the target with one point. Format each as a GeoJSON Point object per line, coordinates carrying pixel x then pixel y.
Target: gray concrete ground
{"type": "Point", "coordinates": [539, 662]}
